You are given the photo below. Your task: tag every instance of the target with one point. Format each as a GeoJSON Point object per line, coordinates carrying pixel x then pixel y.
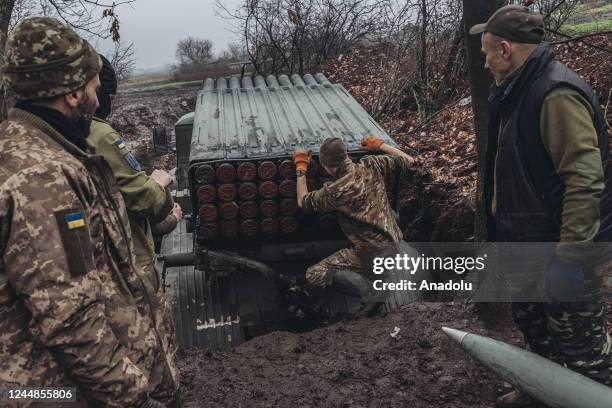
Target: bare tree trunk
{"type": "Point", "coordinates": [423, 62]}
{"type": "Point", "coordinates": [443, 92]}
{"type": "Point", "coordinates": [6, 10]}
{"type": "Point", "coordinates": [476, 12]}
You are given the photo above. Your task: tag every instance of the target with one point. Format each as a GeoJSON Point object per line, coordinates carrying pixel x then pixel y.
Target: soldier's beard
{"type": "Point", "coordinates": [83, 115]}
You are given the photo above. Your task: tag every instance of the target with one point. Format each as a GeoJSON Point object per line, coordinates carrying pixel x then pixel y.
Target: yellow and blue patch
{"type": "Point", "coordinates": [119, 143]}
{"type": "Point", "coordinates": [74, 220]}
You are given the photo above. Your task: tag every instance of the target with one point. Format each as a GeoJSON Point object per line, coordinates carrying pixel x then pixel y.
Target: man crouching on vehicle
{"type": "Point", "coordinates": [358, 198]}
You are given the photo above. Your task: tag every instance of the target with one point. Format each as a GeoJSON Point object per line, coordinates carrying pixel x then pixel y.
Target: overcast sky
{"type": "Point", "coordinates": [156, 26]}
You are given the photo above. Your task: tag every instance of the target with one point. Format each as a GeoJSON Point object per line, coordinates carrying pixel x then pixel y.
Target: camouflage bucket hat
{"type": "Point", "coordinates": [44, 58]}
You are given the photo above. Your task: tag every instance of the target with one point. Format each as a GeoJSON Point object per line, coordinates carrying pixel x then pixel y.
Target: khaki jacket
{"type": "Point", "coordinates": [146, 201]}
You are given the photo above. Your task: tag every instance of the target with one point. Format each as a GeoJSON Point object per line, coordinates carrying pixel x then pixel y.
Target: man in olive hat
{"type": "Point", "coordinates": [358, 198]}
{"type": "Point", "coordinates": [74, 308]}
{"type": "Point", "coordinates": [549, 173]}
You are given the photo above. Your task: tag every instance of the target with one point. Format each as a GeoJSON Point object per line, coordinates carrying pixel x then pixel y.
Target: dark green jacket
{"type": "Point", "coordinates": [146, 201]}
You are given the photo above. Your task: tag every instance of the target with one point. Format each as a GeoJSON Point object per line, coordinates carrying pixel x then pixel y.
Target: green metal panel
{"type": "Point", "coordinates": [273, 117]}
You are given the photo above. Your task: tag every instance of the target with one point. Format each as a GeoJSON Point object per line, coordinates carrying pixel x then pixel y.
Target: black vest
{"type": "Point", "coordinates": [529, 192]}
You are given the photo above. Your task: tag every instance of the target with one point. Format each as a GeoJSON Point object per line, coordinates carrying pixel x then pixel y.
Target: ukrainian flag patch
{"type": "Point", "coordinates": [119, 143]}
{"type": "Point", "coordinates": [74, 220]}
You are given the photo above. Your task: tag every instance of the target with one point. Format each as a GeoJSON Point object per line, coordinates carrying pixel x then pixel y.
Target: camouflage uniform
{"type": "Point", "coordinates": [358, 198]}
{"type": "Point", "coordinates": [146, 203]}
{"type": "Point", "coordinates": [74, 308]}
{"type": "Point", "coordinates": [71, 295]}
{"type": "Point", "coordinates": [572, 334]}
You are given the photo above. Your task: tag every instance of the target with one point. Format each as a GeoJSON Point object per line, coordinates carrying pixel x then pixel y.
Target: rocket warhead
{"type": "Point", "coordinates": [548, 382]}
{"type": "Point", "coordinates": [455, 334]}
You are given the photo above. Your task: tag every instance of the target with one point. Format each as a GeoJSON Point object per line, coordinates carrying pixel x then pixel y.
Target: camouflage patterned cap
{"type": "Point", "coordinates": [45, 58]}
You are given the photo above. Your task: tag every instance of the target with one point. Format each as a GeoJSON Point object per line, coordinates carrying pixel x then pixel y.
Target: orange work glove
{"type": "Point", "coordinates": [371, 143]}
{"type": "Point", "coordinates": [301, 160]}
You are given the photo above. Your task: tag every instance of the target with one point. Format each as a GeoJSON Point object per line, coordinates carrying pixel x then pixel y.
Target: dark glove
{"type": "Point", "coordinates": [564, 280]}
{"type": "Point", "coordinates": [153, 403]}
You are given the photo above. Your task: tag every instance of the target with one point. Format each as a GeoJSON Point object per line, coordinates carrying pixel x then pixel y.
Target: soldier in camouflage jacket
{"type": "Point", "coordinates": [74, 308]}
{"type": "Point", "coordinates": [358, 199]}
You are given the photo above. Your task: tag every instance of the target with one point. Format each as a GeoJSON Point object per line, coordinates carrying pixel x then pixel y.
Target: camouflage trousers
{"type": "Point", "coordinates": [321, 274]}
{"type": "Point", "coordinates": [574, 334]}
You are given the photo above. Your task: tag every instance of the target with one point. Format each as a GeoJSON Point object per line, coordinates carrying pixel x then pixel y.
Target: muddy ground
{"type": "Point", "coordinates": [136, 112]}
{"type": "Point", "coordinates": [352, 364]}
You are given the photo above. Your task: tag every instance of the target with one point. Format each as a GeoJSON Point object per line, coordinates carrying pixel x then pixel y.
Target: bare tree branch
{"type": "Point", "coordinates": [91, 18]}
{"type": "Point", "coordinates": [570, 38]}
{"type": "Point", "coordinates": [122, 60]}
{"type": "Point", "coordinates": [298, 35]}
{"type": "Point", "coordinates": [581, 37]}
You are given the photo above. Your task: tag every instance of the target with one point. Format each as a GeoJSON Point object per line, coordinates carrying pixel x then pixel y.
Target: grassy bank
{"type": "Point", "coordinates": [587, 28]}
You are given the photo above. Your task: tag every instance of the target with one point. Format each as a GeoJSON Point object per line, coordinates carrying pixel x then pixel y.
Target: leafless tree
{"type": "Point", "coordinates": [445, 44]}
{"type": "Point", "coordinates": [122, 60]}
{"type": "Point", "coordinates": [193, 53]}
{"type": "Point", "coordinates": [298, 35]}
{"type": "Point", "coordinates": [6, 11]}
{"type": "Point", "coordinates": [234, 52]}
{"type": "Point", "coordinates": [422, 56]}
{"type": "Point", "coordinates": [22, 9]}
{"type": "Point", "coordinates": [396, 59]}
{"type": "Point", "coordinates": [92, 18]}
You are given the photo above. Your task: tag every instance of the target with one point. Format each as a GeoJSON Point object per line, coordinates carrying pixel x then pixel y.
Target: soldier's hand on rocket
{"type": "Point", "coordinates": [564, 280]}
{"type": "Point", "coordinates": [372, 143]}
{"type": "Point", "coordinates": [177, 211]}
{"type": "Point", "coordinates": [301, 159]}
{"type": "Point", "coordinates": [162, 178]}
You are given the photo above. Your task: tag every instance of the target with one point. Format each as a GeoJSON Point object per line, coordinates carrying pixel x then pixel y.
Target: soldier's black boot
{"type": "Point", "coordinates": [352, 283]}
{"type": "Point", "coordinates": [372, 309]}
{"type": "Point", "coordinates": [304, 300]}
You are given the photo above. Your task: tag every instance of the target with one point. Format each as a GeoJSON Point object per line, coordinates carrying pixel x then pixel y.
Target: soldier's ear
{"type": "Point", "coordinates": [73, 98]}
{"type": "Point", "coordinates": [506, 49]}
